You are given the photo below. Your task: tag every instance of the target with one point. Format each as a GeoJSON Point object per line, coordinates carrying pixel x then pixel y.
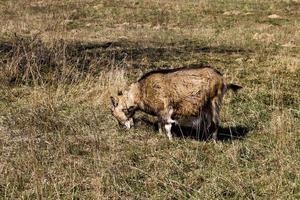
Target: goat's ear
{"type": "Point", "coordinates": [120, 93]}
{"type": "Point", "coordinates": [114, 101]}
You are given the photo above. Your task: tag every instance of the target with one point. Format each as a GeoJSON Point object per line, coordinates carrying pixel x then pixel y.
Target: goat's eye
{"type": "Point", "coordinates": [127, 112]}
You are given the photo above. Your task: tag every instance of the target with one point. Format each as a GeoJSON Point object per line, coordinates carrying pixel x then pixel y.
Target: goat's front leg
{"type": "Point", "coordinates": [167, 121]}
{"type": "Point", "coordinates": [168, 128]}
{"type": "Point", "coordinates": [160, 128]}
{"type": "Point", "coordinates": [163, 123]}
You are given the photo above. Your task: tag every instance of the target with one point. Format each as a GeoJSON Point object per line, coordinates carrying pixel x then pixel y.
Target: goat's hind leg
{"type": "Point", "coordinates": [216, 106]}
{"type": "Point", "coordinates": [215, 133]}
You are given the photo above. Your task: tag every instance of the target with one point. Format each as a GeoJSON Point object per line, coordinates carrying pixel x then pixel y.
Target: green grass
{"type": "Point", "coordinates": [61, 60]}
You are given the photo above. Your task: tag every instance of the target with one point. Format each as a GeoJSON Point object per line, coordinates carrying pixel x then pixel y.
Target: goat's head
{"type": "Point", "coordinates": [122, 110]}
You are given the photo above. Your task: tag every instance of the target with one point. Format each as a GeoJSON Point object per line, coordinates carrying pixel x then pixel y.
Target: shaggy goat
{"type": "Point", "coordinates": [174, 94]}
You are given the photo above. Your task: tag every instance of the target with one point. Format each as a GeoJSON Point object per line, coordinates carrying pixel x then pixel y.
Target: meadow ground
{"type": "Point", "coordinates": [61, 60]}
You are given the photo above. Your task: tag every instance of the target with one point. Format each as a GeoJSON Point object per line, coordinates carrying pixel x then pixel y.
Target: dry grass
{"type": "Point", "coordinates": [61, 60]}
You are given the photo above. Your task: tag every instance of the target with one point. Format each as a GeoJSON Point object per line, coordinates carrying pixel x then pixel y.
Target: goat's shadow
{"type": "Point", "coordinates": [185, 132]}
{"type": "Point", "coordinates": [223, 133]}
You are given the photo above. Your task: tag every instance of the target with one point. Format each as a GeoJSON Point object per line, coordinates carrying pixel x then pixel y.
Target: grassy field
{"type": "Point", "coordinates": [61, 60]}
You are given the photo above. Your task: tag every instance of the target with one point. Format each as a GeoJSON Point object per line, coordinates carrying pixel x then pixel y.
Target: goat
{"type": "Point", "coordinates": [172, 94]}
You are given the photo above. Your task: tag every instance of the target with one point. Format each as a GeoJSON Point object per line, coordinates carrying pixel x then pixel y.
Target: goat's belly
{"type": "Point", "coordinates": [189, 121]}
{"type": "Point", "coordinates": [186, 112]}
{"type": "Point", "coordinates": [187, 109]}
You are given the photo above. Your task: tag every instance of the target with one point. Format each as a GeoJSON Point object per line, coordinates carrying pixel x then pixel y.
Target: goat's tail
{"type": "Point", "coordinates": [233, 87]}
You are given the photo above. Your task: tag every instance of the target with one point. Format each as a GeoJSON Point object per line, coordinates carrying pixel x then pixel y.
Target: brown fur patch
{"type": "Point", "coordinates": [185, 89]}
